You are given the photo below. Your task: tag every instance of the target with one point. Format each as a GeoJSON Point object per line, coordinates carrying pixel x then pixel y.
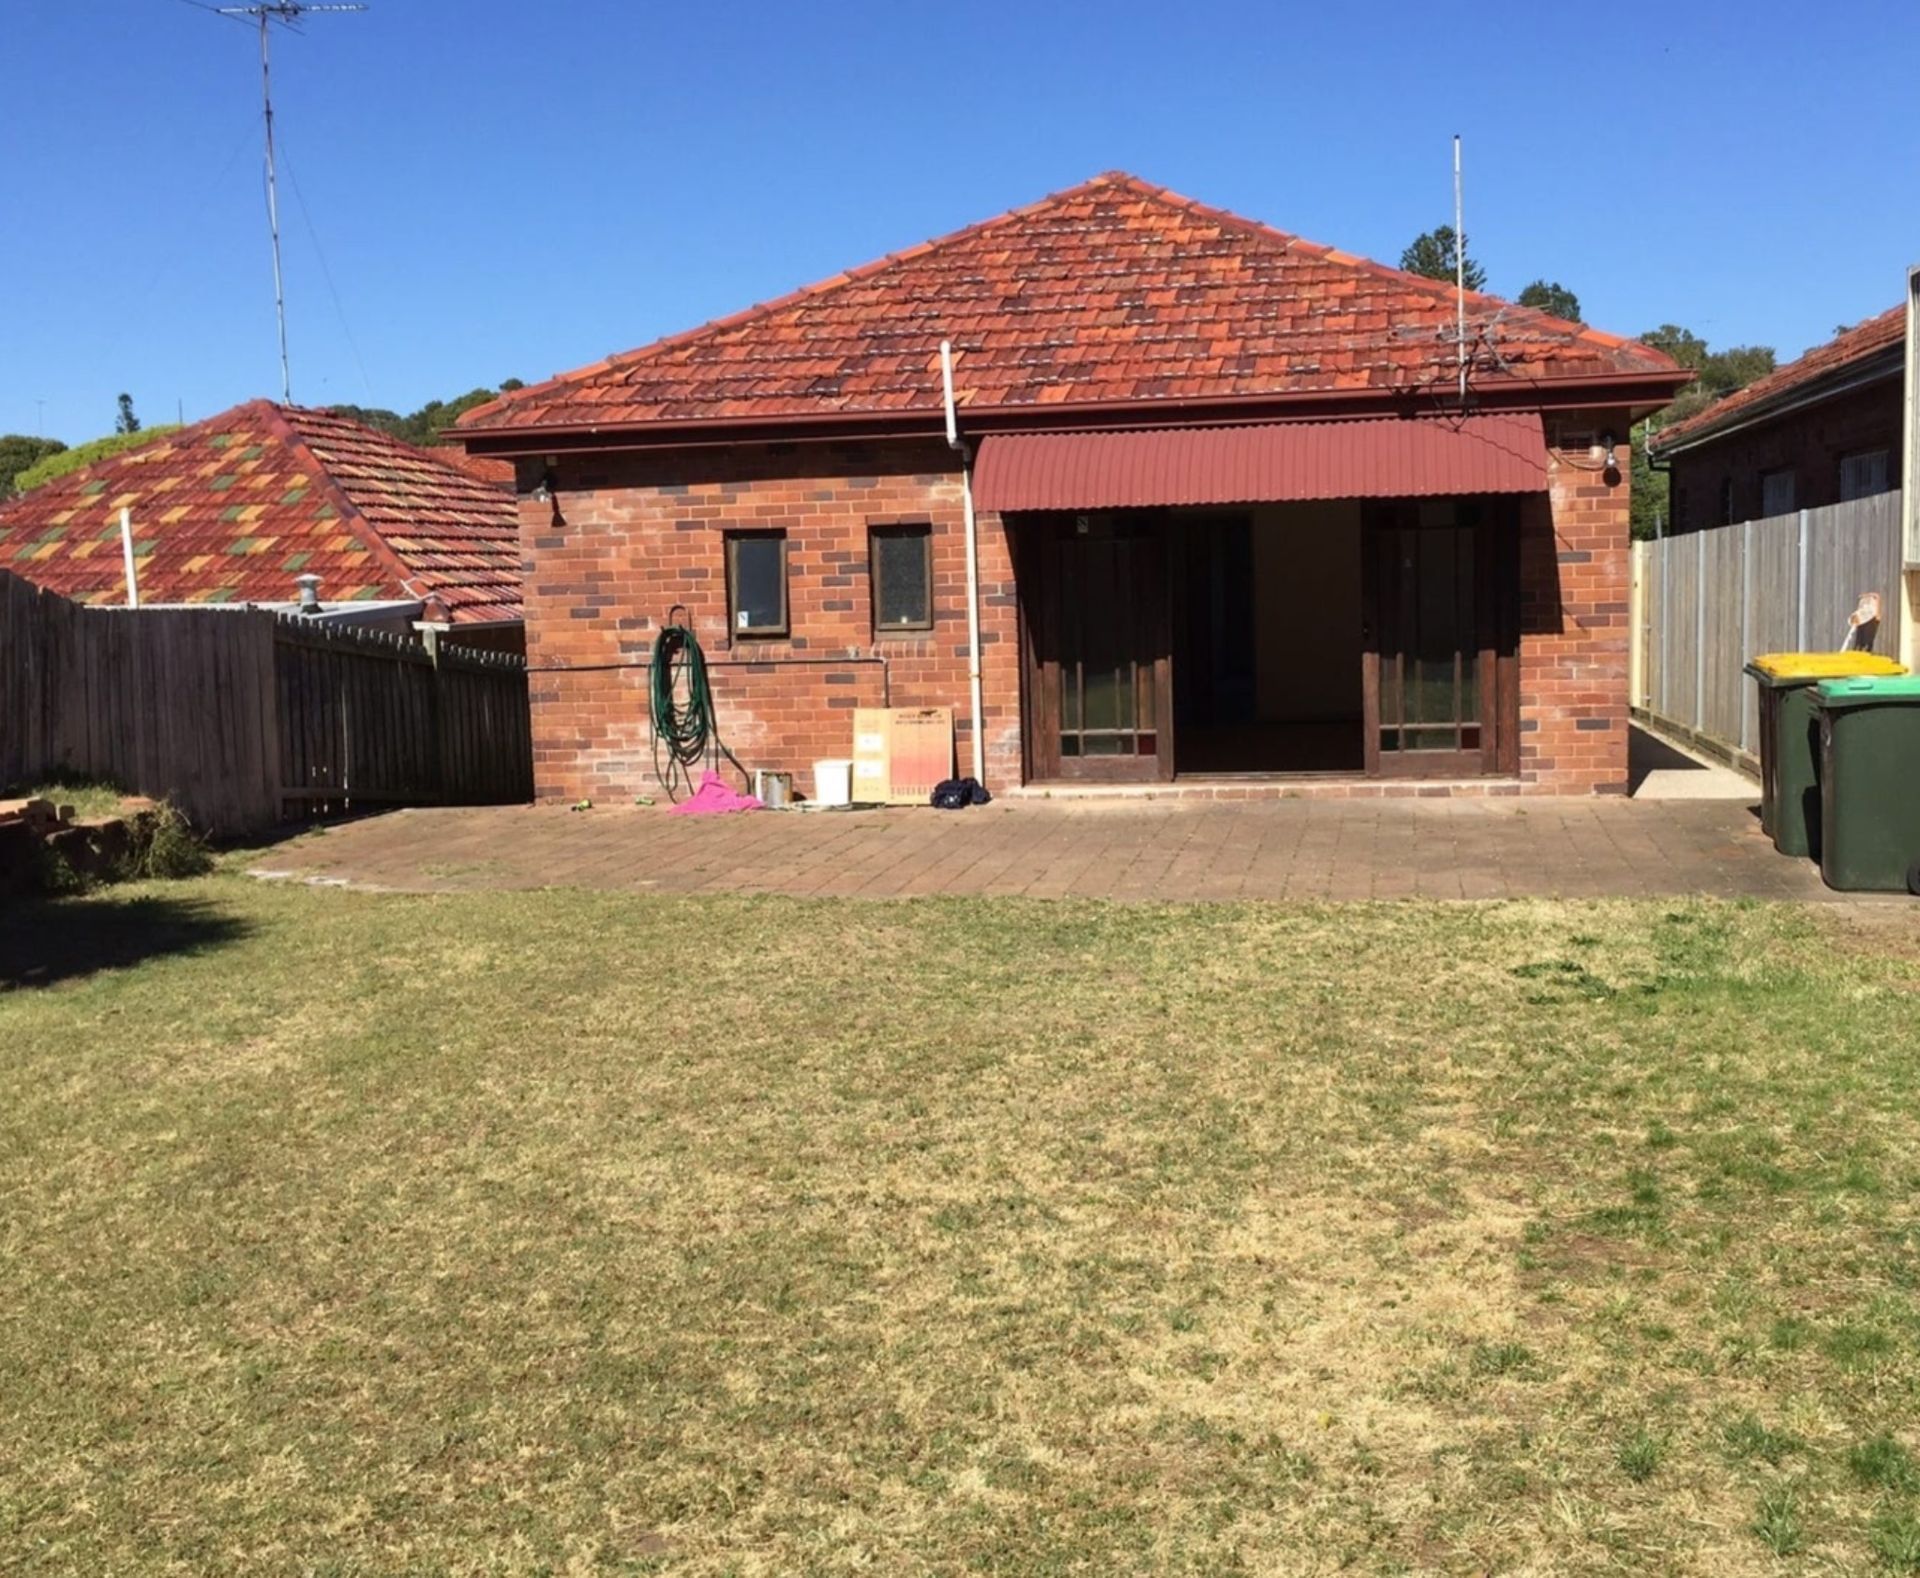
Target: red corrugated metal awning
{"type": "Point", "coordinates": [1374, 458]}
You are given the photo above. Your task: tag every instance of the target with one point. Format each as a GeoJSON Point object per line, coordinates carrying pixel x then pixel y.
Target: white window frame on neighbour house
{"type": "Point", "coordinates": [1863, 474]}
{"type": "Point", "coordinates": [1776, 492]}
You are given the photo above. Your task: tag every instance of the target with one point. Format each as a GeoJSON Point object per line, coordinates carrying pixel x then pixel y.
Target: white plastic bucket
{"type": "Point", "coordinates": [833, 782]}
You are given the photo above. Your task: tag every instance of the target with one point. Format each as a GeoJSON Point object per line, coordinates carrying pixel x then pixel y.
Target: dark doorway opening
{"type": "Point", "coordinates": [1267, 628]}
{"type": "Point", "coordinates": [1333, 638]}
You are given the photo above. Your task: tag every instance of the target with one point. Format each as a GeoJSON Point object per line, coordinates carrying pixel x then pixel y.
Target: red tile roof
{"type": "Point", "coordinates": [488, 468]}
{"type": "Point", "coordinates": [231, 509]}
{"type": "Point", "coordinates": [1113, 291]}
{"type": "Point", "coordinates": [1858, 344]}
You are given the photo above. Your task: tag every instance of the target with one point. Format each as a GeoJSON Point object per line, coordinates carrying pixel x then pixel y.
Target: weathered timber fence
{"type": "Point", "coordinates": [1705, 602]}
{"type": "Point", "coordinates": [246, 718]}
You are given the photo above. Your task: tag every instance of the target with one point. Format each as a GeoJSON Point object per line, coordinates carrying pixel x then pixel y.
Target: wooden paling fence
{"type": "Point", "coordinates": [245, 718]}
{"type": "Point", "coordinates": [1705, 602]}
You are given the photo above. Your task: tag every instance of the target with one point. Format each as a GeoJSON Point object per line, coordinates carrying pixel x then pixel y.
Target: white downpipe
{"type": "Point", "coordinates": [974, 701]}
{"type": "Point", "coordinates": [126, 554]}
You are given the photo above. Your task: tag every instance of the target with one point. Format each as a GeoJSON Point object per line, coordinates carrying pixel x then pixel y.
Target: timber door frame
{"type": "Point", "coordinates": [1495, 658]}
{"type": "Point", "coordinates": [1046, 619]}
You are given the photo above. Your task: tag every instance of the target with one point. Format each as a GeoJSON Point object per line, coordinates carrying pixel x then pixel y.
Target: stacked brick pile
{"type": "Point", "coordinates": [32, 829]}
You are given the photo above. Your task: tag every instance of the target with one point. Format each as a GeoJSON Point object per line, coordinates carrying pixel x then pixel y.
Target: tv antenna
{"type": "Point", "coordinates": [1459, 264]}
{"type": "Point", "coordinates": [289, 14]}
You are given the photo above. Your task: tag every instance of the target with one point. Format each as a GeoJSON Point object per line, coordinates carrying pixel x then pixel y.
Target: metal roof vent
{"type": "Point", "coordinates": [309, 593]}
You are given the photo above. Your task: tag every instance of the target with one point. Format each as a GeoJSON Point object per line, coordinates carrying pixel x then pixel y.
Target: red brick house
{"type": "Point", "coordinates": [1231, 516]}
{"type": "Point", "coordinates": [1820, 430]}
{"type": "Point", "coordinates": [233, 509]}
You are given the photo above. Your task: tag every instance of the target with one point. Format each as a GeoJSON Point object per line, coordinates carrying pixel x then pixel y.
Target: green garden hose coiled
{"type": "Point", "coordinates": [685, 732]}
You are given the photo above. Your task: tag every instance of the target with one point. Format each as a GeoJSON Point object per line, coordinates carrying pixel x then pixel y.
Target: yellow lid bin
{"type": "Point", "coordinates": [1821, 665]}
{"type": "Point", "coordinates": [1789, 765]}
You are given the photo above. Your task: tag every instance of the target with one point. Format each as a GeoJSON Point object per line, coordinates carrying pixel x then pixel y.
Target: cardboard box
{"type": "Point", "coordinates": [900, 753]}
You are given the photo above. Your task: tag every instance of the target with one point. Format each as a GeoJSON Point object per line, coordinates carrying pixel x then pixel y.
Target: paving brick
{"type": "Point", "coordinates": [1143, 851]}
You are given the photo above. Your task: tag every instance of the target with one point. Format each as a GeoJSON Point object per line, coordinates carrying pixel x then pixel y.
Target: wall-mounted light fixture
{"type": "Point", "coordinates": [1612, 447]}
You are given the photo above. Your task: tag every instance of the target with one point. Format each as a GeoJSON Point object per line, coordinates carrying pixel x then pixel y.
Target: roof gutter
{"type": "Point", "coordinates": [1882, 364]}
{"type": "Point", "coordinates": [1651, 389]}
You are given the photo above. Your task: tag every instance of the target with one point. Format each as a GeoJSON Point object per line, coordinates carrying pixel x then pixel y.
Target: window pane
{"type": "Point", "coordinates": [759, 583]}
{"type": "Point", "coordinates": [1109, 697]}
{"type": "Point", "coordinates": [1864, 474]}
{"type": "Point", "coordinates": [901, 596]}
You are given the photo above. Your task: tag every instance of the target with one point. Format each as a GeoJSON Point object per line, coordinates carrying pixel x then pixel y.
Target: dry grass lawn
{"type": "Point", "coordinates": [576, 1232]}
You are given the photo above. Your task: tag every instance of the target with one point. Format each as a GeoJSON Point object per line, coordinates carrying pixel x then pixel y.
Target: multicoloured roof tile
{"type": "Point", "coordinates": [233, 508]}
{"type": "Point", "coordinates": [1843, 353]}
{"type": "Point", "coordinates": [1112, 291]}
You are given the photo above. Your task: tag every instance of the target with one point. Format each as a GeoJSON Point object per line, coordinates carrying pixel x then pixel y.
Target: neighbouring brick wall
{"type": "Point", "coordinates": [1574, 575]}
{"type": "Point", "coordinates": [629, 536]}
{"type": "Point", "coordinates": [1810, 442]}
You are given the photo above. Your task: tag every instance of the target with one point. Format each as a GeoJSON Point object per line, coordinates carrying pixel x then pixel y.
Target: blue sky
{"type": "Point", "coordinates": [511, 189]}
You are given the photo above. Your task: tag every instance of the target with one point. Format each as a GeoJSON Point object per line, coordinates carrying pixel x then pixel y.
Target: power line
{"type": "Point", "coordinates": [288, 13]}
{"type": "Point", "coordinates": [313, 235]}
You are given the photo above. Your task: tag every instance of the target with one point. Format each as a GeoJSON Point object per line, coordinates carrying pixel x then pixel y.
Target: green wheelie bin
{"type": "Point", "coordinates": [1870, 783]}
{"type": "Point", "coordinates": [1789, 747]}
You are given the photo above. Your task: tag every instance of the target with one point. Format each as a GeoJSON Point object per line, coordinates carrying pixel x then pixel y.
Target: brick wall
{"type": "Point", "coordinates": [1810, 442]}
{"type": "Point", "coordinates": [628, 536]}
{"type": "Point", "coordinates": [1574, 573]}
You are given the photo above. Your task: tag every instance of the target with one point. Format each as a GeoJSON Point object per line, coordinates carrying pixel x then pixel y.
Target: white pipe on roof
{"type": "Point", "coordinates": [126, 553]}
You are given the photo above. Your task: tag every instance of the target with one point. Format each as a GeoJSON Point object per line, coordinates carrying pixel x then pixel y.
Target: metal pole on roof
{"type": "Point", "coordinates": [287, 13]}
{"type": "Point", "coordinates": [273, 215]}
{"type": "Point", "coordinates": [1460, 268]}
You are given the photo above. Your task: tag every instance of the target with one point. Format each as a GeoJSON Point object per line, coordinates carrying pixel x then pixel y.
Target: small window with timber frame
{"type": "Point", "coordinates": [900, 573]}
{"type": "Point", "coordinates": [757, 584]}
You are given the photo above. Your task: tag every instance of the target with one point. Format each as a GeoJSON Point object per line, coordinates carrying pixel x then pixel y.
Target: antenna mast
{"type": "Point", "coordinates": [1459, 270]}
{"type": "Point", "coordinates": [287, 13]}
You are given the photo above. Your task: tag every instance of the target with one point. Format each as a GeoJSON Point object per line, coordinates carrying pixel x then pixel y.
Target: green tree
{"type": "Point", "coordinates": [1716, 375]}
{"type": "Point", "coordinates": [18, 452]}
{"type": "Point", "coordinates": [1647, 496]}
{"type": "Point", "coordinates": [425, 426]}
{"type": "Point", "coordinates": [1552, 297]}
{"type": "Point", "coordinates": [58, 465]}
{"type": "Point", "coordinates": [1432, 255]}
{"type": "Point", "coordinates": [126, 421]}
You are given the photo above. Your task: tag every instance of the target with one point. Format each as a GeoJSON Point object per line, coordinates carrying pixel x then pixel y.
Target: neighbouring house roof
{"type": "Point", "coordinates": [1827, 369]}
{"type": "Point", "coordinates": [231, 509]}
{"type": "Point", "coordinates": [1115, 291]}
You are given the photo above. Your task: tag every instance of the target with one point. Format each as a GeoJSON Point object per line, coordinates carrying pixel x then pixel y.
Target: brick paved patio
{"type": "Point", "coordinates": [1275, 849]}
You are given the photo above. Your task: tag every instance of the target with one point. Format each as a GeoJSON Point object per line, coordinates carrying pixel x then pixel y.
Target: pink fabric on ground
{"type": "Point", "coordinates": [713, 797]}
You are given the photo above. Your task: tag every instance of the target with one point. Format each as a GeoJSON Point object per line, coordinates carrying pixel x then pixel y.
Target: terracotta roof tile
{"type": "Point", "coordinates": [1115, 290]}
{"type": "Point", "coordinates": [261, 493]}
{"type": "Point", "coordinates": [1857, 344]}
